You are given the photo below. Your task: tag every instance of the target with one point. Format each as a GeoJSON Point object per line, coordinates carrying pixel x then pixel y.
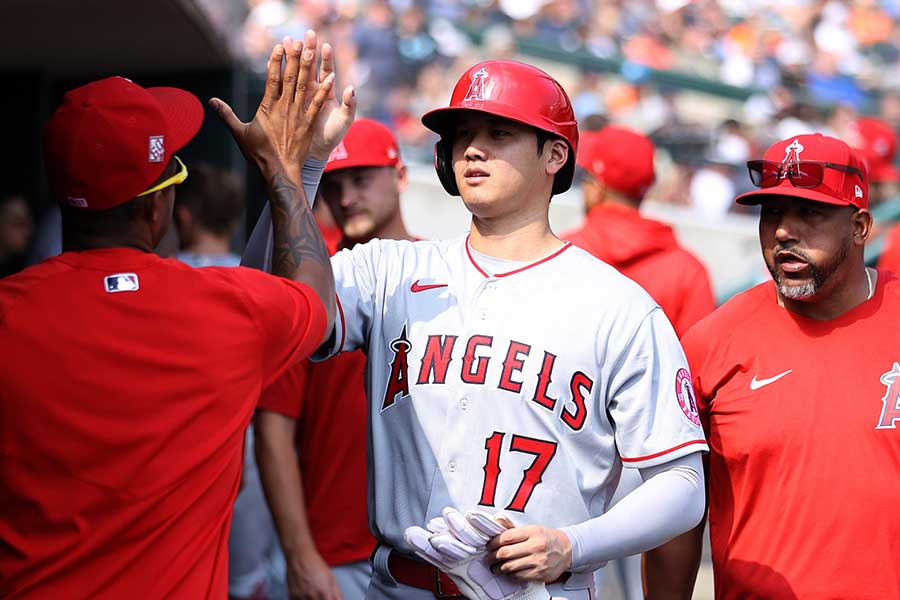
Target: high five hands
{"type": "Point", "coordinates": [299, 116]}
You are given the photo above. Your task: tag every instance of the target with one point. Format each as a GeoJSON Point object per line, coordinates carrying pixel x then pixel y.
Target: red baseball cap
{"type": "Point", "coordinates": [837, 186]}
{"type": "Point", "coordinates": [367, 143]}
{"type": "Point", "coordinates": [111, 139]}
{"type": "Point", "coordinates": [877, 141]}
{"type": "Point", "coordinates": [621, 158]}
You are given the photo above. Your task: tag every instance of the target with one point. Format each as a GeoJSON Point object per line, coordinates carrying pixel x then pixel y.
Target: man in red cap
{"type": "Point", "coordinates": [618, 167]}
{"type": "Point", "coordinates": [877, 142]}
{"type": "Point", "coordinates": [798, 384]}
{"type": "Point", "coordinates": [313, 466]}
{"type": "Point", "coordinates": [128, 380]}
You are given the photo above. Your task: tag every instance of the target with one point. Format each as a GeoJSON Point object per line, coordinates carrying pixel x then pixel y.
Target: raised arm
{"type": "Point", "coordinates": [277, 141]}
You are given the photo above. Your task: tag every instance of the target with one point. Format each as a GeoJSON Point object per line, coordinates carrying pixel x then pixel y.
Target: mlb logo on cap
{"type": "Point", "coordinates": [157, 148]}
{"type": "Point", "coordinates": [121, 282]}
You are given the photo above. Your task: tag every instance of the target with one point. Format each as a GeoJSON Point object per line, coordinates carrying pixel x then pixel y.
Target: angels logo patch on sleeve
{"type": "Point", "coordinates": [684, 392]}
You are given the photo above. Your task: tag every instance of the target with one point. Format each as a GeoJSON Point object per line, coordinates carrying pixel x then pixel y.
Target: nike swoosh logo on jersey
{"type": "Point", "coordinates": [417, 287]}
{"type": "Point", "coordinates": [755, 384]}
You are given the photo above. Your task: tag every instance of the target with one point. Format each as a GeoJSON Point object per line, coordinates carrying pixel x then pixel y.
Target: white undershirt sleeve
{"type": "Point", "coordinates": [670, 501]}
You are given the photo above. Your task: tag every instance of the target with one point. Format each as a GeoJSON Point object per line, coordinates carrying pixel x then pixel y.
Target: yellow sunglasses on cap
{"type": "Point", "coordinates": [175, 179]}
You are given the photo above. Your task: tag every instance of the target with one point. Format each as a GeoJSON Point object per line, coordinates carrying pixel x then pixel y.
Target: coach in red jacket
{"type": "Point", "coordinates": [619, 167]}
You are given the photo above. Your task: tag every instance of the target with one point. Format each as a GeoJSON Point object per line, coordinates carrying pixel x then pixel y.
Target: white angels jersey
{"type": "Point", "coordinates": [521, 392]}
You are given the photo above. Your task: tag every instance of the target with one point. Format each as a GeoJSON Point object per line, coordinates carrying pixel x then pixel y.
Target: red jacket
{"type": "Point", "coordinates": [647, 252]}
{"type": "Point", "coordinates": [890, 256]}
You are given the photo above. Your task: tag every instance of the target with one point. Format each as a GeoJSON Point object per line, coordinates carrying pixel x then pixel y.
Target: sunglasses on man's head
{"type": "Point", "coordinates": [801, 173]}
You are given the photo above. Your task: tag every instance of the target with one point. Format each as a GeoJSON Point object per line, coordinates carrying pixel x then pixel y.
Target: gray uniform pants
{"type": "Point", "coordinates": [353, 579]}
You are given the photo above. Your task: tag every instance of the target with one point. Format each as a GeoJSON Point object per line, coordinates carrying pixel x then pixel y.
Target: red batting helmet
{"type": "Point", "coordinates": [514, 91]}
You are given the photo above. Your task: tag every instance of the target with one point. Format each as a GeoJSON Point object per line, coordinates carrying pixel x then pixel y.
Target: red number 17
{"type": "Point", "coordinates": [543, 452]}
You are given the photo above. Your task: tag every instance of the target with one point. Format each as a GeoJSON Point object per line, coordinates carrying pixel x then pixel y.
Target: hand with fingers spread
{"type": "Point", "coordinates": [278, 138]}
{"type": "Point", "coordinates": [335, 117]}
{"type": "Point", "coordinates": [531, 553]}
{"type": "Point", "coordinates": [277, 141]}
{"type": "Point", "coordinates": [457, 545]}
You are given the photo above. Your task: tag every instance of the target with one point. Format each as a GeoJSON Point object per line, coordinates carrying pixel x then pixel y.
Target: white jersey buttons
{"type": "Point", "coordinates": [451, 466]}
{"type": "Point", "coordinates": [464, 404]}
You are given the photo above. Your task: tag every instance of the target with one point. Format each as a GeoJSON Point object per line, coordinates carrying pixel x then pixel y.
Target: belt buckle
{"type": "Point", "coordinates": [437, 590]}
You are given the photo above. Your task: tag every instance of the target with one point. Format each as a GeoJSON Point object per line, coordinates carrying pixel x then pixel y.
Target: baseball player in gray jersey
{"type": "Point", "coordinates": [510, 372]}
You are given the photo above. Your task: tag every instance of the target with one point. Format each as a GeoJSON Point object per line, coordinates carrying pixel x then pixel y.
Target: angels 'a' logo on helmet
{"type": "Point", "coordinates": [476, 88]}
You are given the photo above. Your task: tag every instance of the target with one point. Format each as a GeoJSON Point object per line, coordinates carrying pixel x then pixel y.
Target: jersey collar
{"type": "Point", "coordinates": [514, 271]}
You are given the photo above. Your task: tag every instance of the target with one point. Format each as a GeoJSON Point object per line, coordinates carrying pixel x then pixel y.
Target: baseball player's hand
{"type": "Point", "coordinates": [531, 553]}
{"type": "Point", "coordinates": [458, 548]}
{"type": "Point", "coordinates": [278, 138]}
{"type": "Point", "coordinates": [310, 578]}
{"type": "Point", "coordinates": [335, 117]}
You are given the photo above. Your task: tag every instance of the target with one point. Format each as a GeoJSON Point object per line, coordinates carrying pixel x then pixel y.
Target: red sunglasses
{"type": "Point", "coordinates": [801, 173]}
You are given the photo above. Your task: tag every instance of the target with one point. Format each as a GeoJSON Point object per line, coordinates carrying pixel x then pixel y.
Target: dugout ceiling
{"type": "Point", "coordinates": [68, 38]}
{"type": "Point", "coordinates": [50, 46]}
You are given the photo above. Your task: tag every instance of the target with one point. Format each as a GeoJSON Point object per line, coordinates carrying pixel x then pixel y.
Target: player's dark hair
{"type": "Point", "coordinates": [213, 196]}
{"type": "Point", "coordinates": [542, 138]}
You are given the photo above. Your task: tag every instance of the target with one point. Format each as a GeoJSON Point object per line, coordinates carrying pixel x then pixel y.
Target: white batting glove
{"type": "Point", "coordinates": [457, 546]}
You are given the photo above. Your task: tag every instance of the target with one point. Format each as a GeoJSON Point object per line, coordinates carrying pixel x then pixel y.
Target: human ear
{"type": "Point", "coordinates": [402, 177]}
{"type": "Point", "coordinates": [861, 223]}
{"type": "Point", "coordinates": [558, 154]}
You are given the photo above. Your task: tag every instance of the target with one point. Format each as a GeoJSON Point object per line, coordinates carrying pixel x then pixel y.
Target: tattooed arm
{"type": "Point", "coordinates": [277, 141]}
{"type": "Point", "coordinates": [298, 251]}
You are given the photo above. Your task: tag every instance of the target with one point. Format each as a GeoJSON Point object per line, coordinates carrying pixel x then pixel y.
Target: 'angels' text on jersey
{"type": "Point", "coordinates": [473, 366]}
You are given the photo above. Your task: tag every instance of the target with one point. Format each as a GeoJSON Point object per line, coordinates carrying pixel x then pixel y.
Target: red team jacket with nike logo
{"type": "Point", "coordinates": [803, 423]}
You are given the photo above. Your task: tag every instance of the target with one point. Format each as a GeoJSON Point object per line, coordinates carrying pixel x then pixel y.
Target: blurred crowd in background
{"type": "Point", "coordinates": [798, 66]}
{"type": "Point", "coordinates": [808, 65]}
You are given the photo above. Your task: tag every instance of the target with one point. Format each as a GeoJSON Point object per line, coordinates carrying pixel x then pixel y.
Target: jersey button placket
{"type": "Point", "coordinates": [490, 287]}
{"type": "Point", "coordinates": [464, 404]}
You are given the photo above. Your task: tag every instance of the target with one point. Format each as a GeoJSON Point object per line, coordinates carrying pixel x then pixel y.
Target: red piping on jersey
{"type": "Point", "coordinates": [649, 456]}
{"type": "Point", "coordinates": [343, 324]}
{"type": "Point", "coordinates": [519, 270]}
